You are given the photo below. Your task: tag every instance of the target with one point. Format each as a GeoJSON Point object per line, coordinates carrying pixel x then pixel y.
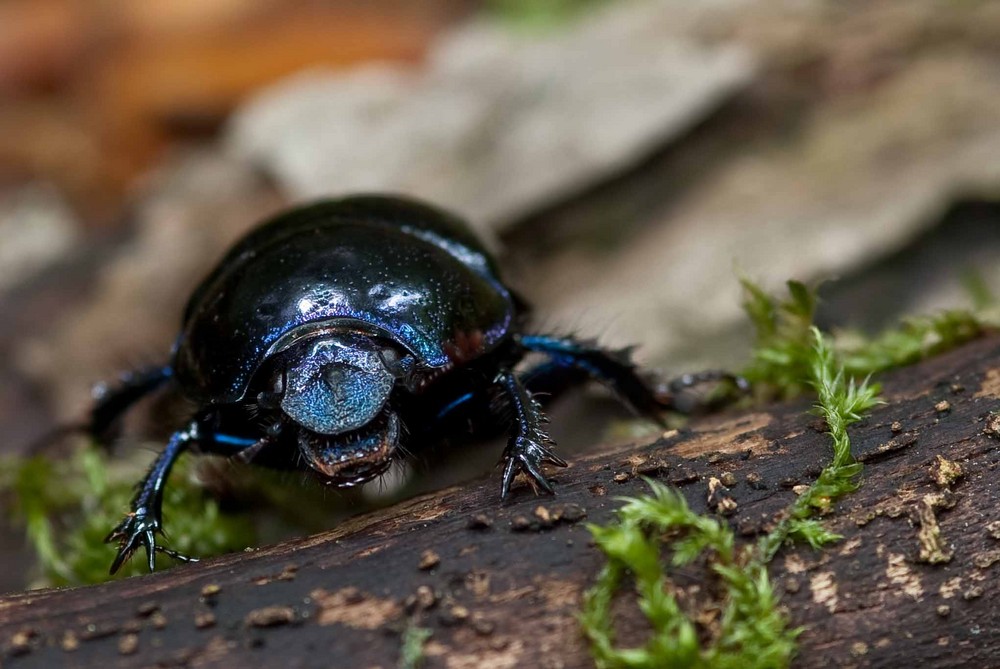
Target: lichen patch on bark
{"type": "Point", "coordinates": [990, 386]}
{"type": "Point", "coordinates": [986, 559]}
{"type": "Point", "coordinates": [733, 436]}
{"type": "Point", "coordinates": [850, 546]}
{"type": "Point", "coordinates": [945, 472]}
{"type": "Point", "coordinates": [899, 573]}
{"type": "Point", "coordinates": [353, 608]}
{"type": "Point", "coordinates": [824, 589]}
{"type": "Point", "coordinates": [951, 587]}
{"type": "Point", "coordinates": [502, 654]}
{"type": "Point", "coordinates": [934, 549]}
{"type": "Point", "coordinates": [794, 564]}
{"type": "Point", "coordinates": [558, 593]}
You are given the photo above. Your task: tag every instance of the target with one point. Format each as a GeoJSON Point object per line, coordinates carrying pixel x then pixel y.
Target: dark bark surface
{"type": "Point", "coordinates": [914, 578]}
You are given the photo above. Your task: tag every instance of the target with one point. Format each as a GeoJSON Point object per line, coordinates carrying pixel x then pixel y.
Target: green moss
{"type": "Point", "coordinates": [752, 632]}
{"type": "Point", "coordinates": [782, 353]}
{"type": "Point", "coordinates": [978, 290]}
{"type": "Point", "coordinates": [841, 402]}
{"type": "Point", "coordinates": [68, 507]}
{"type": "Point", "coordinates": [913, 340]}
{"type": "Point", "coordinates": [411, 655]}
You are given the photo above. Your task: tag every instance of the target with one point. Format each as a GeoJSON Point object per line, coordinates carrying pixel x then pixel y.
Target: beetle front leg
{"type": "Point", "coordinates": [529, 446]}
{"type": "Point", "coordinates": [145, 521]}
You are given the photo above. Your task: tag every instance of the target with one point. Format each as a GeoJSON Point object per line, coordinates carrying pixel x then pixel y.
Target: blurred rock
{"type": "Point", "coordinates": [37, 228]}
{"type": "Point", "coordinates": [869, 160]}
{"type": "Point", "coordinates": [500, 123]}
{"type": "Point", "coordinates": [190, 211]}
{"type": "Point", "coordinates": [855, 157]}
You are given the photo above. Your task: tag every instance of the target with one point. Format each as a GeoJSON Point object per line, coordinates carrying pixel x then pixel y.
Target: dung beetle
{"type": "Point", "coordinates": [338, 335]}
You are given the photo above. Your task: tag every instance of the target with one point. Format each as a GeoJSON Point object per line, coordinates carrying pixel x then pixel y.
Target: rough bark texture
{"type": "Point", "coordinates": [914, 579]}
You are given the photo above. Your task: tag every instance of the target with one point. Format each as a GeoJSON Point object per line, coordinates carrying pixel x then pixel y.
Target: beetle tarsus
{"type": "Point", "coordinates": [670, 393]}
{"type": "Point", "coordinates": [529, 447]}
{"type": "Point", "coordinates": [174, 555]}
{"type": "Point", "coordinates": [137, 529]}
{"type": "Point", "coordinates": [140, 529]}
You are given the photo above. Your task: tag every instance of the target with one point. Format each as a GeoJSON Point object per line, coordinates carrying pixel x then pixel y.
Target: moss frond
{"type": "Point", "coordinates": [915, 339]}
{"type": "Point", "coordinates": [782, 351]}
{"type": "Point", "coordinates": [68, 507]}
{"type": "Point", "coordinates": [751, 631]}
{"type": "Point", "coordinates": [841, 402]}
{"type": "Point", "coordinates": [791, 355]}
{"type": "Point", "coordinates": [411, 655]}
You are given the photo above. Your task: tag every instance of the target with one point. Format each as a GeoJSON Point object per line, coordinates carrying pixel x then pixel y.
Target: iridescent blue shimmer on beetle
{"type": "Point", "coordinates": [336, 335]}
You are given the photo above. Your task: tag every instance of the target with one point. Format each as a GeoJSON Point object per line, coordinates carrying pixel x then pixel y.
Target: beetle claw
{"type": "Point", "coordinates": [528, 456]}
{"type": "Point", "coordinates": [139, 529]}
{"type": "Point", "coordinates": [136, 529]}
{"type": "Point", "coordinates": [509, 472]}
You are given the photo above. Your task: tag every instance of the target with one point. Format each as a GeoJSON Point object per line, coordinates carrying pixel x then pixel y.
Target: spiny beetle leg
{"type": "Point", "coordinates": [529, 446]}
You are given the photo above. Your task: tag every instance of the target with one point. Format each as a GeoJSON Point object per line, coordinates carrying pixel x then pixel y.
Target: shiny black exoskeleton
{"type": "Point", "coordinates": [336, 333]}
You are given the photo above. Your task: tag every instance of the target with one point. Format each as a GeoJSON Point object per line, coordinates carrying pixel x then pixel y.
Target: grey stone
{"type": "Point", "coordinates": [37, 228]}
{"type": "Point", "coordinates": [498, 123]}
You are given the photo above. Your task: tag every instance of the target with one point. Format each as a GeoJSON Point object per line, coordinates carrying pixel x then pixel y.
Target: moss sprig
{"type": "Point", "coordinates": [840, 402]}
{"type": "Point", "coordinates": [782, 352]}
{"type": "Point", "coordinates": [751, 631]}
{"type": "Point", "coordinates": [68, 506]}
{"type": "Point", "coordinates": [411, 654]}
{"type": "Point", "coordinates": [915, 339]}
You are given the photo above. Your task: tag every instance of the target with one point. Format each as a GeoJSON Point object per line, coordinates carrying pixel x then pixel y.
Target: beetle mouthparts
{"type": "Point", "coordinates": [354, 457]}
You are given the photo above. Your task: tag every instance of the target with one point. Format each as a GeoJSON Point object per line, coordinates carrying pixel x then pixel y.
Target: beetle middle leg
{"type": "Point", "coordinates": [529, 446]}
{"type": "Point", "coordinates": [111, 402]}
{"type": "Point", "coordinates": [573, 361]}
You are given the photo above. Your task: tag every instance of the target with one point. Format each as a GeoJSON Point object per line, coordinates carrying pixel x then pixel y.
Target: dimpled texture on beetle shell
{"type": "Point", "coordinates": [403, 268]}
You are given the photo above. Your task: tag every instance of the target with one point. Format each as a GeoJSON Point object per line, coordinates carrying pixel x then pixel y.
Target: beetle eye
{"type": "Point", "coordinates": [396, 363]}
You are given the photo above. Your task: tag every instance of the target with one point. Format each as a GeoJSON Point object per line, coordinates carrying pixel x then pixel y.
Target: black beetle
{"type": "Point", "coordinates": [336, 332]}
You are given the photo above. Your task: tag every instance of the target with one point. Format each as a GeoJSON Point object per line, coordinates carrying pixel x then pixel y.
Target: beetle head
{"type": "Point", "coordinates": [336, 388]}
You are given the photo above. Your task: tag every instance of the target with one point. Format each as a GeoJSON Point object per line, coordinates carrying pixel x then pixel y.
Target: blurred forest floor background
{"type": "Point", "coordinates": [631, 159]}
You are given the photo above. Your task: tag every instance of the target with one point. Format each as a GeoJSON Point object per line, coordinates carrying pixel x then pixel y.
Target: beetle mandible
{"type": "Point", "coordinates": [349, 328]}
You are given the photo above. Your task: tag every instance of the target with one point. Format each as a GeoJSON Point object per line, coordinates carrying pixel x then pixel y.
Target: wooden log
{"type": "Point", "coordinates": [913, 580]}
